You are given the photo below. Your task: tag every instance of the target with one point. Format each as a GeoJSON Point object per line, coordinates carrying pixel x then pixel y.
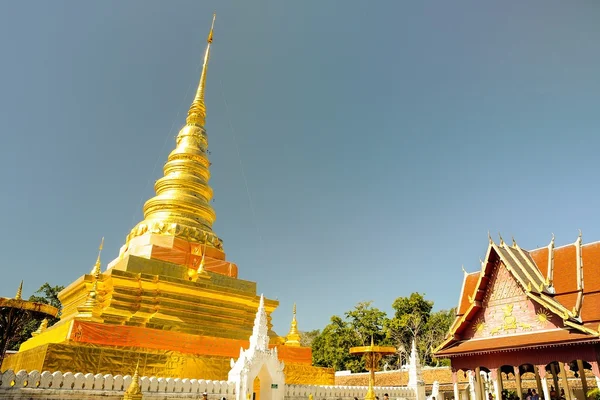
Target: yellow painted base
{"type": "Point", "coordinates": [102, 359]}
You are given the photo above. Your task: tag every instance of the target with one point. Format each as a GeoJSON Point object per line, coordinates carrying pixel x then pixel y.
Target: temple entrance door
{"type": "Point", "coordinates": [256, 389]}
{"type": "Point", "coordinates": [265, 384]}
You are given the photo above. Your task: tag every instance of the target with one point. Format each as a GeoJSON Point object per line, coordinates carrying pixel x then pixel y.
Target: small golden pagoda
{"type": "Point", "coordinates": [170, 299]}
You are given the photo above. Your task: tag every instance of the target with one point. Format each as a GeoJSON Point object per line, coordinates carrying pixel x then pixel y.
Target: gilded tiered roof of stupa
{"type": "Point", "coordinates": [181, 207]}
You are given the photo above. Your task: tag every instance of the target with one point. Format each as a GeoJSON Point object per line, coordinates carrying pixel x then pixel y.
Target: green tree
{"type": "Point", "coordinates": [307, 338]}
{"type": "Point", "coordinates": [411, 316]}
{"type": "Point", "coordinates": [433, 334]}
{"type": "Point", "coordinates": [45, 294]}
{"type": "Point", "coordinates": [367, 322]}
{"type": "Point", "coordinates": [331, 348]}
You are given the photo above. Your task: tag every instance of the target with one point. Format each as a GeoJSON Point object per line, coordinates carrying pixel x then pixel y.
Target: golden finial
{"type": "Point", "coordinates": [134, 391]}
{"type": "Point", "coordinates": [490, 237]}
{"type": "Point", "coordinates": [293, 337]}
{"type": "Point", "coordinates": [464, 270]}
{"type": "Point", "coordinates": [202, 261]}
{"type": "Point", "coordinates": [43, 326]}
{"type": "Point", "coordinates": [91, 299]}
{"type": "Point", "coordinates": [514, 242]}
{"type": "Point", "coordinates": [501, 240]}
{"type": "Point", "coordinates": [134, 388]}
{"type": "Point", "coordinates": [197, 111]}
{"type": "Point", "coordinates": [19, 295]}
{"type": "Point", "coordinates": [97, 270]}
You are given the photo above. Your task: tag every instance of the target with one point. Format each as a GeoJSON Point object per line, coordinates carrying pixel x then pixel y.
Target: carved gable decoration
{"type": "Point", "coordinates": [507, 309]}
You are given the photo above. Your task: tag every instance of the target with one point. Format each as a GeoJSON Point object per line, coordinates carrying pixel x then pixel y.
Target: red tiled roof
{"type": "Point", "coordinates": [528, 268]}
{"type": "Point", "coordinates": [556, 337]}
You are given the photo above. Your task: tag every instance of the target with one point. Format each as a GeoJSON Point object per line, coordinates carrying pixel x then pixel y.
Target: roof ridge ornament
{"type": "Point", "coordinates": [579, 264]}
{"type": "Point", "coordinates": [501, 240]}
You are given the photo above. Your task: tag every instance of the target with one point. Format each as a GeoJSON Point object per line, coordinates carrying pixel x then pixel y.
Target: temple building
{"type": "Point", "coordinates": [171, 300]}
{"type": "Point", "coordinates": [531, 315]}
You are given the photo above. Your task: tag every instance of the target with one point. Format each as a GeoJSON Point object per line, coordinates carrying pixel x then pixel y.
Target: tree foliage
{"type": "Point", "coordinates": [46, 294]}
{"type": "Point", "coordinates": [413, 319]}
{"type": "Point", "coordinates": [331, 348]}
{"type": "Point", "coordinates": [307, 338]}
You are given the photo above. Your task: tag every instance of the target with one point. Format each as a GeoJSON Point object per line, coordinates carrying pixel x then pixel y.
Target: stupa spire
{"type": "Point", "coordinates": [19, 295]}
{"type": "Point", "coordinates": [293, 337]}
{"type": "Point", "coordinates": [197, 111]}
{"type": "Point", "coordinates": [181, 207]}
{"type": "Point", "coordinates": [97, 270]}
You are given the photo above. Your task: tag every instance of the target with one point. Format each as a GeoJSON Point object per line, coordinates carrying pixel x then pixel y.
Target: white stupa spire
{"type": "Point", "coordinates": [260, 338]}
{"type": "Point", "coordinates": [415, 378]}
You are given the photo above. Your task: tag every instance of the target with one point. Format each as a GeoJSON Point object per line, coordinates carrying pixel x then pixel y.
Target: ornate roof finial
{"type": "Point", "coordinates": [134, 391]}
{"type": "Point", "coordinates": [580, 235]}
{"type": "Point", "coordinates": [514, 242]}
{"type": "Point", "coordinates": [197, 111]}
{"type": "Point", "coordinates": [43, 326]}
{"type": "Point", "coordinates": [464, 270]}
{"type": "Point", "coordinates": [89, 309]}
{"type": "Point", "coordinates": [19, 295]}
{"type": "Point", "coordinates": [293, 337]}
{"type": "Point", "coordinates": [552, 241]}
{"type": "Point", "coordinates": [97, 270]}
{"type": "Point", "coordinates": [202, 261]}
{"type": "Point", "coordinates": [490, 238]}
{"type": "Point", "coordinates": [501, 240]}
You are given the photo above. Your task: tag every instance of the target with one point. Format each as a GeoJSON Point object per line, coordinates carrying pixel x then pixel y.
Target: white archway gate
{"type": "Point", "coordinates": [258, 361]}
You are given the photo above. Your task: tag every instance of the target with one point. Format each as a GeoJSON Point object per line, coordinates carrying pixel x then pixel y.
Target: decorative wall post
{"type": "Point", "coordinates": [541, 371]}
{"type": "Point", "coordinates": [495, 380]}
{"type": "Point", "coordinates": [596, 372]}
{"type": "Point", "coordinates": [537, 373]}
{"type": "Point", "coordinates": [472, 387]}
{"type": "Point", "coordinates": [563, 375]}
{"type": "Point", "coordinates": [478, 385]}
{"type": "Point", "coordinates": [455, 385]}
{"type": "Point", "coordinates": [517, 373]}
{"type": "Point", "coordinates": [581, 370]}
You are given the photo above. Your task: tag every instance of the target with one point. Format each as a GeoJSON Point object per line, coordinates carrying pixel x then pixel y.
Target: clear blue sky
{"type": "Point", "coordinates": [380, 140]}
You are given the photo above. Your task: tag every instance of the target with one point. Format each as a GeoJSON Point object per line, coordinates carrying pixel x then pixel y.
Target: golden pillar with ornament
{"type": "Point", "coordinates": [372, 355]}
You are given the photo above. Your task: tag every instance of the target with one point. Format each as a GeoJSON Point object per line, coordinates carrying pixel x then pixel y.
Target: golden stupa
{"type": "Point", "coordinates": [171, 299]}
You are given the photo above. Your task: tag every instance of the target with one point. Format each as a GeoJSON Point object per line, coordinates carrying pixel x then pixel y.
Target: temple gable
{"type": "Point", "coordinates": [506, 309]}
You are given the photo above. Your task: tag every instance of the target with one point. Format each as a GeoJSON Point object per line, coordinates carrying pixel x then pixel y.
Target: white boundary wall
{"type": "Point", "coordinates": [70, 386]}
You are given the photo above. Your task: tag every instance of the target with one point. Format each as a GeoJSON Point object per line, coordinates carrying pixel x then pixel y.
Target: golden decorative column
{"type": "Point", "coordinates": [134, 391]}
{"type": "Point", "coordinates": [372, 355]}
{"type": "Point", "coordinates": [293, 337]}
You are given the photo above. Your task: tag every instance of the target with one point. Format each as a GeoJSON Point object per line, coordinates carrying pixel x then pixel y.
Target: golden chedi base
{"type": "Point", "coordinates": [176, 323]}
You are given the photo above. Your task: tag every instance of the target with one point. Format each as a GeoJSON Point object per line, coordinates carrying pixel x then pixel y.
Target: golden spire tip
{"type": "Point", "coordinates": [212, 27]}
{"type": "Point", "coordinates": [97, 270]}
{"type": "Point", "coordinates": [19, 295]}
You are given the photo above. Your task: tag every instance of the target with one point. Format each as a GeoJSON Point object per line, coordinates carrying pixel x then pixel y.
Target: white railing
{"type": "Point", "coordinates": [108, 385]}
{"type": "Point", "coordinates": [10, 381]}
{"type": "Point", "coordinates": [345, 392]}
